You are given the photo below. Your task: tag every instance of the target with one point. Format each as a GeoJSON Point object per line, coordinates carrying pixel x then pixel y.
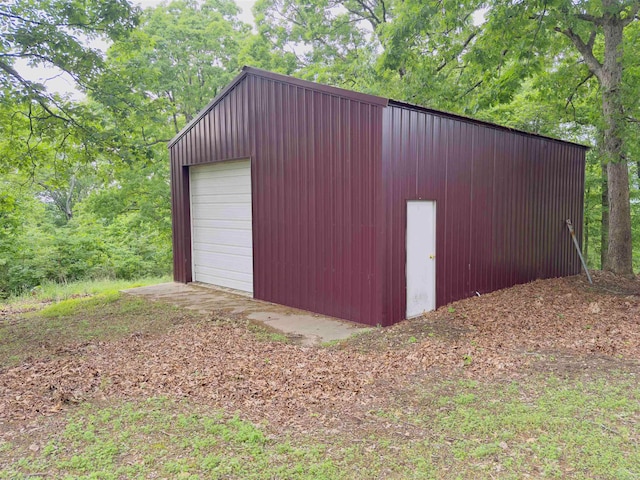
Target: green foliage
{"type": "Point", "coordinates": [181, 56]}
{"type": "Point", "coordinates": [49, 32]}
{"type": "Point", "coordinates": [592, 244]}
{"type": "Point", "coordinates": [86, 188]}
{"type": "Point", "coordinates": [86, 247]}
{"type": "Point", "coordinates": [93, 201]}
{"type": "Point", "coordinates": [84, 191]}
{"type": "Point", "coordinates": [335, 42]}
{"type": "Point", "coordinates": [36, 124]}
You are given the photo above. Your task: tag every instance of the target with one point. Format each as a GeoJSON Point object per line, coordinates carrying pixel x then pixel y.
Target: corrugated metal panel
{"type": "Point", "coordinates": [317, 178]}
{"type": "Point", "coordinates": [502, 199]}
{"type": "Point", "coordinates": [332, 172]}
{"type": "Point", "coordinates": [213, 138]}
{"type": "Point", "coordinates": [316, 184]}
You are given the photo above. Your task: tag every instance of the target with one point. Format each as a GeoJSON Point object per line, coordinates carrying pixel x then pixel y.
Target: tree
{"type": "Point", "coordinates": [52, 33]}
{"type": "Point", "coordinates": [520, 40]}
{"type": "Point", "coordinates": [582, 25]}
{"type": "Point", "coordinates": [182, 54]}
{"type": "Point", "coordinates": [333, 41]}
{"type": "Point", "coordinates": [85, 185]}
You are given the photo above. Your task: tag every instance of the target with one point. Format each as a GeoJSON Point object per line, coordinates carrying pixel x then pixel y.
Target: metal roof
{"type": "Point", "coordinates": [246, 70]}
{"type": "Point", "coordinates": [350, 94]}
{"type": "Point", "coordinates": [465, 118]}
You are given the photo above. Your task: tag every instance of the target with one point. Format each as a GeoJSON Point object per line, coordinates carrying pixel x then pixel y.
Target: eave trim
{"type": "Point", "coordinates": [246, 70]}
{"type": "Point", "coordinates": [223, 93]}
{"type": "Point", "coordinates": [455, 116]}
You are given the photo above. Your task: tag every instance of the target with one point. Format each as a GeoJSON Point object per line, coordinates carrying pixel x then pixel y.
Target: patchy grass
{"type": "Point", "coordinates": [80, 305]}
{"type": "Point", "coordinates": [54, 292]}
{"type": "Point", "coordinates": [265, 334]}
{"type": "Point", "coordinates": [452, 429]}
{"type": "Point", "coordinates": [161, 438]}
{"type": "Point", "coordinates": [104, 317]}
{"type": "Point", "coordinates": [541, 427]}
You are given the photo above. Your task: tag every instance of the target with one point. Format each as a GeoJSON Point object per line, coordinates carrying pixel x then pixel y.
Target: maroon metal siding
{"type": "Point", "coordinates": [221, 134]}
{"type": "Point", "coordinates": [331, 174]}
{"type": "Point", "coordinates": [502, 199]}
{"type": "Point", "coordinates": [316, 186]}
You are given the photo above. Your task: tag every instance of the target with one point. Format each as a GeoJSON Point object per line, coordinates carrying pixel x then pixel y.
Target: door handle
{"type": "Point", "coordinates": [432, 257]}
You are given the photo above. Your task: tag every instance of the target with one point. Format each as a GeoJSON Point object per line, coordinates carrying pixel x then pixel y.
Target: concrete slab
{"type": "Point", "coordinates": [302, 327]}
{"type": "Point", "coordinates": [313, 328]}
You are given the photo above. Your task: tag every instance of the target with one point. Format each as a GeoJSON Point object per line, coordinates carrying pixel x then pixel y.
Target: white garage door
{"type": "Point", "coordinates": [221, 224]}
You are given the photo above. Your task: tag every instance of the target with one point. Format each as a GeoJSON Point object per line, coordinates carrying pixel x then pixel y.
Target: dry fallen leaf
{"type": "Point", "coordinates": [222, 364]}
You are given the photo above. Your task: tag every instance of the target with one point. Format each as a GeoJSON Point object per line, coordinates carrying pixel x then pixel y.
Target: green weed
{"type": "Point", "coordinates": [173, 442]}
{"type": "Point", "coordinates": [263, 333]}
{"type": "Point", "coordinates": [56, 292]}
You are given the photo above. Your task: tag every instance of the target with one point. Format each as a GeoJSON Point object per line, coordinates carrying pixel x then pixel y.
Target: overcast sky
{"type": "Point", "coordinates": [57, 81]}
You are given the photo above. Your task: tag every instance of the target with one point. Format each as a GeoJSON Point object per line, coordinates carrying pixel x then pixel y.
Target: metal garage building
{"type": "Point", "coordinates": [365, 208]}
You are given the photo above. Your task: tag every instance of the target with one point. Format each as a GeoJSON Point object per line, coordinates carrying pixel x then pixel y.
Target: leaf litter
{"type": "Point", "coordinates": [545, 325]}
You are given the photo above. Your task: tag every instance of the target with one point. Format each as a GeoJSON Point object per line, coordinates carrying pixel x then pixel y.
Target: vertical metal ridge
{"type": "Point", "coordinates": [500, 197]}
{"type": "Point", "coordinates": [330, 180]}
{"type": "Point", "coordinates": [315, 197]}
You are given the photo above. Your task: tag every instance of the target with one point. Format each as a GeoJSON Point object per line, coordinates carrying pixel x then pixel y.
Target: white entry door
{"type": "Point", "coordinates": [222, 246]}
{"type": "Point", "coordinates": [421, 257]}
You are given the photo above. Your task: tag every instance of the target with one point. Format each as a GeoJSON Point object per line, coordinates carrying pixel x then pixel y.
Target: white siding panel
{"type": "Point", "coordinates": [221, 224]}
{"type": "Point", "coordinates": [230, 249]}
{"type": "Point", "coordinates": [220, 211]}
{"type": "Point", "coordinates": [215, 199]}
{"type": "Point", "coordinates": [204, 222]}
{"type": "Point", "coordinates": [222, 236]}
{"type": "Point", "coordinates": [223, 188]}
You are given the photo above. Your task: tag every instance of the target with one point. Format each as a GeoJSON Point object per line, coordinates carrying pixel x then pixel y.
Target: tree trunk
{"type": "Point", "coordinates": [604, 227]}
{"type": "Point", "coordinates": [587, 224]}
{"type": "Point", "coordinates": [619, 256]}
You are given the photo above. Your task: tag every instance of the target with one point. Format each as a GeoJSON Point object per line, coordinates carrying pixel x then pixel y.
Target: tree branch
{"type": "Point", "coordinates": [155, 142]}
{"type": "Point", "coordinates": [464, 45]}
{"type": "Point", "coordinates": [32, 89]}
{"type": "Point", "coordinates": [471, 89]}
{"type": "Point", "coordinates": [575, 90]}
{"type": "Point", "coordinates": [590, 18]}
{"type": "Point", "coordinates": [585, 49]}
{"type": "Point", "coordinates": [384, 11]}
{"type": "Point", "coordinates": [81, 26]}
{"type": "Point", "coordinates": [372, 14]}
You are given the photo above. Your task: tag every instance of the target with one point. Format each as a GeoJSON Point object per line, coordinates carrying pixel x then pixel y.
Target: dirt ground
{"type": "Point", "coordinates": [561, 326]}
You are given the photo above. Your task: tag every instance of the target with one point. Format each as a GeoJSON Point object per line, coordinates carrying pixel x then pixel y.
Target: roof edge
{"type": "Point", "coordinates": [320, 87]}
{"type": "Point", "coordinates": [238, 78]}
{"type": "Point", "coordinates": [464, 118]}
{"type": "Point", "coordinates": [246, 70]}
{"type": "Point", "coordinates": [349, 94]}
